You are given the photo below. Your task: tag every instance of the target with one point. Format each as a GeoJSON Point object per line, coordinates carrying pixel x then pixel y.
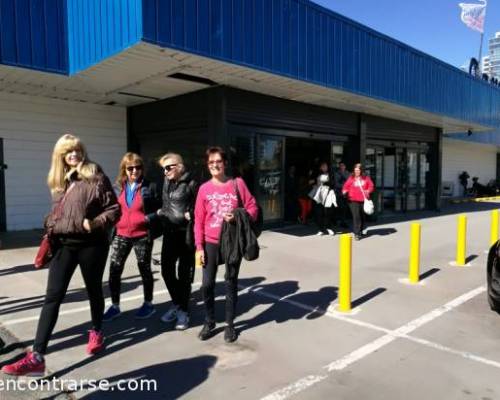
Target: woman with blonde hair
{"type": "Point", "coordinates": [84, 207]}
{"type": "Point", "coordinates": [177, 251]}
{"type": "Point", "coordinates": [138, 204]}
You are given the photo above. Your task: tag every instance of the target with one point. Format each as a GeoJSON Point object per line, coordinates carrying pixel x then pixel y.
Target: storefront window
{"type": "Point", "coordinates": [242, 158]}
{"type": "Point", "coordinates": [270, 177]}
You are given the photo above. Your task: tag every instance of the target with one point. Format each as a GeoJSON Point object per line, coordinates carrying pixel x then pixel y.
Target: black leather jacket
{"type": "Point", "coordinates": [178, 198]}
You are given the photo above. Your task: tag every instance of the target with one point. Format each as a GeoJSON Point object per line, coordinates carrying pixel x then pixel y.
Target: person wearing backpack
{"type": "Point", "coordinates": [357, 188]}
{"type": "Point", "coordinates": [215, 204]}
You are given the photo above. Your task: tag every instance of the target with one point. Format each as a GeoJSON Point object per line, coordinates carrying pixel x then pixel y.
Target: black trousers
{"type": "Point", "coordinates": [92, 261]}
{"type": "Point", "coordinates": [212, 260]}
{"type": "Point", "coordinates": [120, 250]}
{"type": "Point", "coordinates": [358, 217]}
{"type": "Point", "coordinates": [323, 217]}
{"type": "Point", "coordinates": [341, 210]}
{"type": "Point", "coordinates": [177, 267]}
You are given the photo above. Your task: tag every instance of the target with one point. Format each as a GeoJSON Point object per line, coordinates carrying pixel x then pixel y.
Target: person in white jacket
{"type": "Point", "coordinates": [323, 194]}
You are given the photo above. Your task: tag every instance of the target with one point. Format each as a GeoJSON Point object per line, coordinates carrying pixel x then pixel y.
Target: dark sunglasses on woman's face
{"type": "Point", "coordinates": [214, 162]}
{"type": "Point", "coordinates": [136, 167]}
{"type": "Point", "coordinates": [169, 167]}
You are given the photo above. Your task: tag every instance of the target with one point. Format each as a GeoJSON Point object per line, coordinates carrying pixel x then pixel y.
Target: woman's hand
{"type": "Point", "coordinates": [228, 217]}
{"type": "Point", "coordinates": [187, 216]}
{"type": "Point", "coordinates": [199, 257]}
{"type": "Point", "coordinates": [86, 225]}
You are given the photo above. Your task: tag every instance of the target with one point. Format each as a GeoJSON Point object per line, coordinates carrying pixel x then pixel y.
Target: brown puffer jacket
{"type": "Point", "coordinates": [93, 199]}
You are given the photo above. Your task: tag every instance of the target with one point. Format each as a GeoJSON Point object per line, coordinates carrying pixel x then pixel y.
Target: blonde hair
{"type": "Point", "coordinates": [60, 172]}
{"type": "Point", "coordinates": [128, 158]}
{"type": "Point", "coordinates": [177, 157]}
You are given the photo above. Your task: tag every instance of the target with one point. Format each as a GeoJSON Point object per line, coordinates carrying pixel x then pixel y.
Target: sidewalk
{"type": "Point", "coordinates": [436, 340]}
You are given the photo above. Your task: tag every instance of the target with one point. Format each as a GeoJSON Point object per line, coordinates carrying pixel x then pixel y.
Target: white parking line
{"type": "Point", "coordinates": [362, 352]}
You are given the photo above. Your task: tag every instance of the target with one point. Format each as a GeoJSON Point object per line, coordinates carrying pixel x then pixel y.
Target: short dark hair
{"type": "Point", "coordinates": [215, 150]}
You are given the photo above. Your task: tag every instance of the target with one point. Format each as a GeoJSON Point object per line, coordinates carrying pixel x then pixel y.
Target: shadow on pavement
{"type": "Point", "coordinates": [366, 297]}
{"type": "Point", "coordinates": [122, 332]}
{"type": "Point", "coordinates": [428, 273]}
{"type": "Point", "coordinates": [470, 258]}
{"type": "Point", "coordinates": [172, 379]}
{"type": "Point", "coordinates": [72, 296]}
{"type": "Point", "coordinates": [18, 269]}
{"type": "Point", "coordinates": [380, 232]}
{"type": "Point", "coordinates": [285, 303]}
{"type": "Point", "coordinates": [384, 219]}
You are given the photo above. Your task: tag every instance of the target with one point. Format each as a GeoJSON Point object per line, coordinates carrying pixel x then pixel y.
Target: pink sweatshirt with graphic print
{"type": "Point", "coordinates": [212, 202]}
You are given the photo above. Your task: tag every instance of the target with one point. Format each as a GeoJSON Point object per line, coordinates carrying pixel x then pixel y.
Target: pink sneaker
{"type": "Point", "coordinates": [27, 366]}
{"type": "Point", "coordinates": [96, 342]}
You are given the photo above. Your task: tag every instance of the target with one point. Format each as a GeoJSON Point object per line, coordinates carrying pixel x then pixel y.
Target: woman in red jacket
{"type": "Point", "coordinates": [357, 188]}
{"type": "Point", "coordinates": [138, 204]}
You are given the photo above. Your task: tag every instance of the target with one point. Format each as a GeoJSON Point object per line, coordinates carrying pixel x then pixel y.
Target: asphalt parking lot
{"type": "Point", "coordinates": [435, 340]}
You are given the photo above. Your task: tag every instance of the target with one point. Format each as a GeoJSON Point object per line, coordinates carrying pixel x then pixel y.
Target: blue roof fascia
{"type": "Point", "coordinates": [99, 29]}
{"type": "Point", "coordinates": [33, 35]}
{"type": "Point", "coordinates": [302, 40]}
{"type": "Point", "coordinates": [66, 36]}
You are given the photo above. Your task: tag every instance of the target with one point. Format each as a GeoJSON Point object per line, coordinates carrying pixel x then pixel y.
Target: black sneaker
{"type": "Point", "coordinates": [357, 237]}
{"type": "Point", "coordinates": [207, 331]}
{"type": "Point", "coordinates": [230, 334]}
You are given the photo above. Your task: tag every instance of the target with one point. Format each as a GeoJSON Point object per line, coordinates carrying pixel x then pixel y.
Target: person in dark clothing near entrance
{"type": "Point", "coordinates": [138, 203]}
{"type": "Point", "coordinates": [84, 208]}
{"type": "Point", "coordinates": [305, 183]}
{"type": "Point", "coordinates": [358, 188]}
{"type": "Point", "coordinates": [292, 197]}
{"type": "Point", "coordinates": [340, 177]}
{"type": "Point", "coordinates": [215, 203]}
{"type": "Point", "coordinates": [464, 178]}
{"type": "Point", "coordinates": [177, 251]}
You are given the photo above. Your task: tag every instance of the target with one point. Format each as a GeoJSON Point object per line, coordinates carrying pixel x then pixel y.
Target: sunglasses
{"type": "Point", "coordinates": [136, 167]}
{"type": "Point", "coordinates": [169, 167]}
{"type": "Point", "coordinates": [213, 162]}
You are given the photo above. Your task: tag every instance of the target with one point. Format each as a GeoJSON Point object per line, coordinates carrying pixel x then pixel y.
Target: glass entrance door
{"type": "Point", "coordinates": [400, 177]}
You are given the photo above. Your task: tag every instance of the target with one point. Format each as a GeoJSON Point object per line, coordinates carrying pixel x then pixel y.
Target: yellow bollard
{"type": "Point", "coordinates": [494, 227]}
{"type": "Point", "coordinates": [345, 260]}
{"type": "Point", "coordinates": [461, 240]}
{"type": "Point", "coordinates": [414, 268]}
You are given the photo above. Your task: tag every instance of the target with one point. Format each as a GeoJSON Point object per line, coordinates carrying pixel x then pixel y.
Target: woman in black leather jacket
{"type": "Point", "coordinates": [179, 194]}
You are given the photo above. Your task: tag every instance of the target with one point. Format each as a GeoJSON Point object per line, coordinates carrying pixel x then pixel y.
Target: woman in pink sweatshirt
{"type": "Point", "coordinates": [358, 187]}
{"type": "Point", "coordinates": [215, 202]}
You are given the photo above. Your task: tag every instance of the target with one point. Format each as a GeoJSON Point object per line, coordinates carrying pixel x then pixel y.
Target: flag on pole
{"type": "Point", "coordinates": [473, 15]}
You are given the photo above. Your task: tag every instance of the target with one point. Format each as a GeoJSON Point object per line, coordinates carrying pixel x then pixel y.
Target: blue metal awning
{"type": "Point", "coordinates": [296, 39]}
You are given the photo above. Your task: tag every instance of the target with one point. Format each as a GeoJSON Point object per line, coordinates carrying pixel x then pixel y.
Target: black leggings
{"type": "Point", "coordinates": [323, 216]}
{"type": "Point", "coordinates": [92, 261]}
{"type": "Point", "coordinates": [358, 217]}
{"type": "Point", "coordinates": [177, 276]}
{"type": "Point", "coordinates": [212, 259]}
{"type": "Point", "coordinates": [120, 250]}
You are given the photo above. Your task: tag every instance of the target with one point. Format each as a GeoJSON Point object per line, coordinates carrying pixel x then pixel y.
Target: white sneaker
{"type": "Point", "coordinates": [320, 233]}
{"type": "Point", "coordinates": [171, 314]}
{"type": "Point", "coordinates": [182, 320]}
{"type": "Point", "coordinates": [330, 232]}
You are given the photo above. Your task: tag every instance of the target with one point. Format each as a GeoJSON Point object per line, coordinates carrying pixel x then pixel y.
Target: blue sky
{"type": "Point", "coordinates": [432, 26]}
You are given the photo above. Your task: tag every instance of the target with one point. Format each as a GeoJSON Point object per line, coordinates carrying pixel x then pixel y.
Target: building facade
{"type": "Point", "coordinates": [278, 83]}
{"type": "Point", "coordinates": [494, 56]}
